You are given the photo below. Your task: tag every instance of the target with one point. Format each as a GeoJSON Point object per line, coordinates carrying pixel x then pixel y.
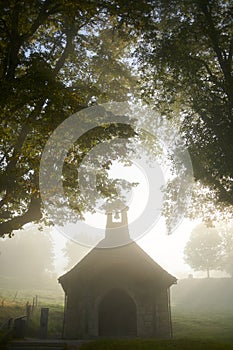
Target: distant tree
{"type": "Point", "coordinates": [74, 252]}
{"type": "Point", "coordinates": [28, 258]}
{"type": "Point", "coordinates": [228, 263]}
{"type": "Point", "coordinates": [203, 251]}
{"type": "Point", "coordinates": [226, 232]}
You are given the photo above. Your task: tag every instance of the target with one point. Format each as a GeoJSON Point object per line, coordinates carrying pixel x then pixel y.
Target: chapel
{"type": "Point", "coordinates": [118, 291]}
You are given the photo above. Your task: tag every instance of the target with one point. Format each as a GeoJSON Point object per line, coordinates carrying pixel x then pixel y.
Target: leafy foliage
{"type": "Point", "coordinates": [186, 63]}
{"type": "Point", "coordinates": [55, 57]}
{"type": "Point", "coordinates": [211, 248]}
{"type": "Point", "coordinates": [58, 57]}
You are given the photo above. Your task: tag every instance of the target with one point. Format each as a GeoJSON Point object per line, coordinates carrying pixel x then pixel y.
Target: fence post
{"type": "Point", "coordinates": [44, 322]}
{"type": "Point", "coordinates": [33, 305]}
{"type": "Point", "coordinates": [28, 311]}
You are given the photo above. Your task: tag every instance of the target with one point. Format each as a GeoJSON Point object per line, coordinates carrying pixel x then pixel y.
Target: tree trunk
{"type": "Point", "coordinates": [208, 272]}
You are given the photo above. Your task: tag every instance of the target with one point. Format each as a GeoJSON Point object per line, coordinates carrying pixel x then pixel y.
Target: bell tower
{"type": "Point", "coordinates": [117, 230]}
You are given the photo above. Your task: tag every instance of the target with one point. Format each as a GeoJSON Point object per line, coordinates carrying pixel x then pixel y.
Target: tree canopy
{"type": "Point", "coordinates": [55, 56]}
{"type": "Point", "coordinates": [211, 248]}
{"type": "Point", "coordinates": [58, 56]}
{"type": "Point", "coordinates": [186, 65]}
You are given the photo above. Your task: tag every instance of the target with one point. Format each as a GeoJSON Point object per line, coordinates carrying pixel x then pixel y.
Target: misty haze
{"type": "Point", "coordinates": [116, 175]}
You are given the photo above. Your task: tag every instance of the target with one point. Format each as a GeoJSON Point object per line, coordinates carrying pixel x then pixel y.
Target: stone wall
{"type": "Point", "coordinates": [153, 314]}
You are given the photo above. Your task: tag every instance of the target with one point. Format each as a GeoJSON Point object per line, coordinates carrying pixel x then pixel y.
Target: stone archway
{"type": "Point", "coordinates": [117, 314]}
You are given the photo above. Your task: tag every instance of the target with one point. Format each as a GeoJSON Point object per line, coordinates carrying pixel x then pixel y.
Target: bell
{"type": "Point", "coordinates": [117, 215]}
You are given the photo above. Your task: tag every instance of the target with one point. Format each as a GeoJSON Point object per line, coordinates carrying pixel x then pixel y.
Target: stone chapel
{"type": "Point", "coordinates": [117, 292]}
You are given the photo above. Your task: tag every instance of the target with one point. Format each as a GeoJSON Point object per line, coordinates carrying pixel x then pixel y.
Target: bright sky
{"type": "Point", "coordinates": [167, 250]}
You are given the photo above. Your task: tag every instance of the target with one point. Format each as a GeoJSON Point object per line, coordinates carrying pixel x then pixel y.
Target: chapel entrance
{"type": "Point", "coordinates": [117, 315]}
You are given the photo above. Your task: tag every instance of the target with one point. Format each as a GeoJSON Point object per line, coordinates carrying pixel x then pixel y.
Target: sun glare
{"type": "Point", "coordinates": [166, 249]}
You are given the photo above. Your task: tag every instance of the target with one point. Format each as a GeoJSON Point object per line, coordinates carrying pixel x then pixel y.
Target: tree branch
{"type": "Point", "coordinates": [14, 45]}
{"type": "Point", "coordinates": [229, 59]}
{"type": "Point", "coordinates": [16, 40]}
{"type": "Point", "coordinates": [33, 213]}
{"type": "Point", "coordinates": [213, 35]}
{"type": "Point", "coordinates": [69, 43]}
{"type": "Point", "coordinates": [224, 195]}
{"type": "Point", "coordinates": [44, 13]}
{"type": "Point", "coordinates": [214, 79]}
{"type": "Point", "coordinates": [21, 139]}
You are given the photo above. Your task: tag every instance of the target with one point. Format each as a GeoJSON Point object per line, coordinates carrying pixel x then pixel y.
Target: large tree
{"type": "Point", "coordinates": [55, 56]}
{"type": "Point", "coordinates": [186, 65]}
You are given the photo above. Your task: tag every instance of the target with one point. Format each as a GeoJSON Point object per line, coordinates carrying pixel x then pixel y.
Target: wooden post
{"type": "Point", "coordinates": [28, 311]}
{"type": "Point", "coordinates": [33, 304]}
{"type": "Point", "coordinates": [44, 322]}
{"type": "Point", "coordinates": [15, 296]}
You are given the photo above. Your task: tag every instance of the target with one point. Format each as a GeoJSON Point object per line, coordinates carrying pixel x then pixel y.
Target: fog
{"type": "Point", "coordinates": [35, 258]}
{"type": "Point", "coordinates": [26, 259]}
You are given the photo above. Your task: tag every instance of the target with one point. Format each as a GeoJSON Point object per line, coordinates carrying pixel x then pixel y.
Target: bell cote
{"type": "Point", "coordinates": [117, 220]}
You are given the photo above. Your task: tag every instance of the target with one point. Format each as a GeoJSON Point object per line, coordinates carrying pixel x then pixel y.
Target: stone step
{"type": "Point", "coordinates": [35, 345]}
{"type": "Point", "coordinates": [39, 344]}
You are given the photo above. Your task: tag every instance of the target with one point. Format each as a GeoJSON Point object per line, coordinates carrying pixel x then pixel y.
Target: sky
{"type": "Point", "coordinates": [166, 250]}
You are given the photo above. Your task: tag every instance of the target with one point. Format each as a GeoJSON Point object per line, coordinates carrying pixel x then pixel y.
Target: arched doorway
{"type": "Point", "coordinates": [117, 315]}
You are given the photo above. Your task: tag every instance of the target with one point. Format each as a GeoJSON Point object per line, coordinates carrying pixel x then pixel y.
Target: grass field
{"type": "Point", "coordinates": [192, 328]}
{"type": "Point", "coordinates": [140, 344]}
{"type": "Point", "coordinates": [202, 325]}
{"type": "Point", "coordinates": [186, 325]}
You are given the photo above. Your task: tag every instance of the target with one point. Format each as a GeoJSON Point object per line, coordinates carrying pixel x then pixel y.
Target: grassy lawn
{"type": "Point", "coordinates": [202, 325]}
{"type": "Point", "coordinates": [15, 307]}
{"type": "Point", "coordinates": [140, 344]}
{"type": "Point", "coordinates": [49, 296]}
{"type": "Point", "coordinates": [192, 329]}
{"type": "Point", "coordinates": [186, 324]}
{"type": "Point", "coordinates": [55, 319]}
